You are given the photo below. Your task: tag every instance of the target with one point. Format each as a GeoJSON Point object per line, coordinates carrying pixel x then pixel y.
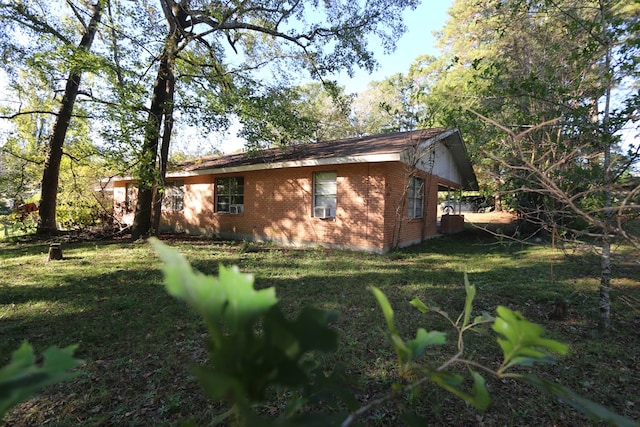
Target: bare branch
{"type": "Point", "coordinates": [33, 21]}
{"type": "Point", "coordinates": [21, 157]}
{"type": "Point", "coordinates": [77, 13]}
{"type": "Point", "coordinates": [26, 113]}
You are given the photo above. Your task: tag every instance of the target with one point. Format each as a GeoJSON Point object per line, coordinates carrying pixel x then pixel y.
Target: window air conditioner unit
{"type": "Point", "coordinates": [322, 212]}
{"type": "Point", "coordinates": [236, 209]}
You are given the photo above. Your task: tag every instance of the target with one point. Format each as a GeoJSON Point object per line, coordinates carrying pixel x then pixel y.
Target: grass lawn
{"type": "Point", "coordinates": [138, 343]}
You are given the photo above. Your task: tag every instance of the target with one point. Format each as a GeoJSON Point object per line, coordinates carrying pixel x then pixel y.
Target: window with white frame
{"type": "Point", "coordinates": [230, 194]}
{"type": "Point", "coordinates": [173, 196]}
{"type": "Point", "coordinates": [325, 193]}
{"type": "Point", "coordinates": [416, 197]}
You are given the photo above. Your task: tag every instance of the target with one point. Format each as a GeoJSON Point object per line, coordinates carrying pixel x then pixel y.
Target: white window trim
{"type": "Point", "coordinates": [332, 205]}
{"type": "Point", "coordinates": [412, 207]}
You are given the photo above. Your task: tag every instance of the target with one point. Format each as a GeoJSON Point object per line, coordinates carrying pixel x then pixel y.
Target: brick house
{"type": "Point", "coordinates": [371, 193]}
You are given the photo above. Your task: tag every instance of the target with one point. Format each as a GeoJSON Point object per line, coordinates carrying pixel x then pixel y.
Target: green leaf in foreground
{"type": "Point", "coordinates": [23, 376]}
{"type": "Point", "coordinates": [252, 345]}
{"type": "Point", "coordinates": [479, 397]}
{"type": "Point", "coordinates": [385, 305]}
{"type": "Point", "coordinates": [470, 294]}
{"type": "Point", "coordinates": [230, 298]}
{"type": "Point", "coordinates": [423, 340]}
{"type": "Point", "coordinates": [523, 343]}
{"type": "Point", "coordinates": [412, 349]}
{"type": "Point", "coordinates": [417, 303]}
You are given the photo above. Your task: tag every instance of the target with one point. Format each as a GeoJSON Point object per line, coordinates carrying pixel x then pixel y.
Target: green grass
{"type": "Point", "coordinates": [138, 342]}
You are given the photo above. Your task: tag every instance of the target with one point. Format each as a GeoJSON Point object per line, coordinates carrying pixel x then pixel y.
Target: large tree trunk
{"type": "Point", "coordinates": [50, 176]}
{"type": "Point", "coordinates": [161, 112]}
{"type": "Point", "coordinates": [164, 150]}
{"type": "Point", "coordinates": [147, 171]}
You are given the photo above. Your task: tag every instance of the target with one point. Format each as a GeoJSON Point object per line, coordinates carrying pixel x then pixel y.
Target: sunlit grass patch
{"type": "Point", "coordinates": [35, 309]}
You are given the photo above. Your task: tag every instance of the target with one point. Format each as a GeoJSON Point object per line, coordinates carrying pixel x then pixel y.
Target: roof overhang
{"type": "Point", "coordinates": [450, 138]}
{"type": "Point", "coordinates": [463, 162]}
{"type": "Point", "coordinates": [371, 158]}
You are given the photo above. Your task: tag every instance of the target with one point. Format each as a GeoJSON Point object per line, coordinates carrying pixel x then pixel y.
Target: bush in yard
{"type": "Point", "coordinates": [80, 213]}
{"type": "Point", "coordinates": [254, 348]}
{"type": "Point", "coordinates": [13, 223]}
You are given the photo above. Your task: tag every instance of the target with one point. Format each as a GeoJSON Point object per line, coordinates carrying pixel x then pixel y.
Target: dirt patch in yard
{"type": "Point", "coordinates": [490, 218]}
{"type": "Point", "coordinates": [493, 222]}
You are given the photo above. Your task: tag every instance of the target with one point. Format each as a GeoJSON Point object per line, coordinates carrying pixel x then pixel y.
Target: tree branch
{"type": "Point", "coordinates": [33, 22]}
{"type": "Point", "coordinates": [21, 157]}
{"type": "Point", "coordinates": [26, 113]}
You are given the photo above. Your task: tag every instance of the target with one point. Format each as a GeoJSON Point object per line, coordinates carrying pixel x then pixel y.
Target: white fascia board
{"type": "Point", "coordinates": [371, 158]}
{"type": "Point", "coordinates": [422, 146]}
{"type": "Point", "coordinates": [440, 137]}
{"type": "Point", "coordinates": [122, 178]}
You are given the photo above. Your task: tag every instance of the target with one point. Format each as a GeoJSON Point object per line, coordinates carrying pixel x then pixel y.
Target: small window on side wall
{"type": "Point", "coordinates": [416, 197]}
{"type": "Point", "coordinates": [173, 197]}
{"type": "Point", "coordinates": [325, 194]}
{"type": "Point", "coordinates": [230, 195]}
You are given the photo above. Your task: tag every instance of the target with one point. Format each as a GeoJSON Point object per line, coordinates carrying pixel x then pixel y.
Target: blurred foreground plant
{"type": "Point", "coordinates": [254, 348]}
{"type": "Point", "coordinates": [24, 375]}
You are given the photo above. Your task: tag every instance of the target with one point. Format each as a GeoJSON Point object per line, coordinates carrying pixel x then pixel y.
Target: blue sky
{"type": "Point", "coordinates": [430, 16]}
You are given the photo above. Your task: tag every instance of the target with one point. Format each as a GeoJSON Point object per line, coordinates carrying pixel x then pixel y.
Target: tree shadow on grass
{"type": "Point", "coordinates": [137, 341]}
{"type": "Point", "coordinates": [88, 309]}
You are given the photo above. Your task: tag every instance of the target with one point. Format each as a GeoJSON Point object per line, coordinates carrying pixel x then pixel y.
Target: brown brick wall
{"type": "Point", "coordinates": [278, 206]}
{"type": "Point", "coordinates": [400, 230]}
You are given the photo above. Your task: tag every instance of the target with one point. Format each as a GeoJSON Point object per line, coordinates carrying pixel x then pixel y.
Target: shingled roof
{"type": "Point", "coordinates": [365, 145]}
{"type": "Point", "coordinates": [348, 150]}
